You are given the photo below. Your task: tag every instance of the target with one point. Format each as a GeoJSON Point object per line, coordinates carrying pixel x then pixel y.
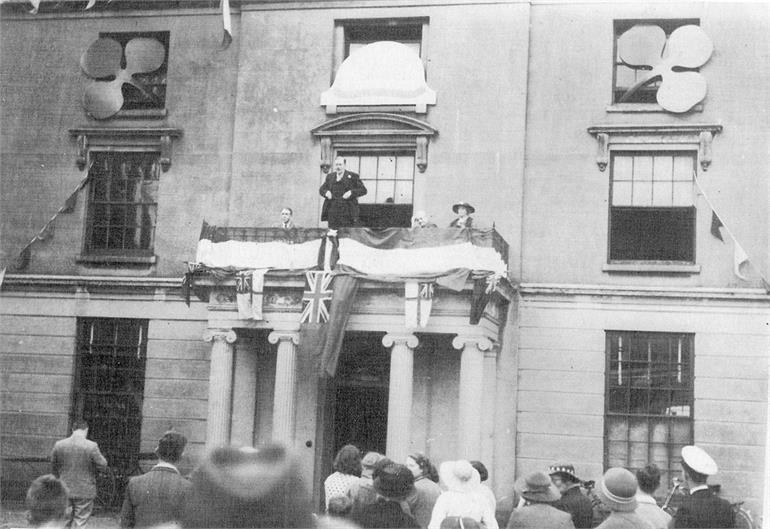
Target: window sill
{"type": "Point", "coordinates": [635, 108]}
{"type": "Point", "coordinates": [651, 268]}
{"type": "Point", "coordinates": [111, 259]}
{"type": "Point", "coordinates": [144, 113]}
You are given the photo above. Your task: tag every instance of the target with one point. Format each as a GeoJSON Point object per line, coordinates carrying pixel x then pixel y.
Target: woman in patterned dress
{"type": "Point", "coordinates": [347, 470]}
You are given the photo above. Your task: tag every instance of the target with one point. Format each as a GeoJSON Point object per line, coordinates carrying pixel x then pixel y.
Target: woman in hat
{"type": "Point", "coordinates": [392, 483]}
{"type": "Point", "coordinates": [426, 489]}
{"type": "Point", "coordinates": [572, 499]}
{"type": "Point", "coordinates": [617, 491]}
{"type": "Point", "coordinates": [538, 511]}
{"type": "Point", "coordinates": [347, 470]}
{"type": "Point", "coordinates": [462, 499]}
{"type": "Point", "coordinates": [463, 211]}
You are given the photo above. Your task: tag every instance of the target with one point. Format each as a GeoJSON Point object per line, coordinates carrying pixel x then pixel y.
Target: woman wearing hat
{"type": "Point", "coordinates": [392, 483]}
{"type": "Point", "coordinates": [572, 499]}
{"type": "Point", "coordinates": [463, 211]}
{"type": "Point", "coordinates": [538, 511]}
{"type": "Point", "coordinates": [462, 499]}
{"type": "Point", "coordinates": [617, 491]}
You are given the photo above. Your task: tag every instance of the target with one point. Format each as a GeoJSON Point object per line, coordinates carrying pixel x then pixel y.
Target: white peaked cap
{"type": "Point", "coordinates": [698, 460]}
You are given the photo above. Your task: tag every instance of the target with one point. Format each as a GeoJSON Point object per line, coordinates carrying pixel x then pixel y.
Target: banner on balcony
{"type": "Point", "coordinates": [249, 287]}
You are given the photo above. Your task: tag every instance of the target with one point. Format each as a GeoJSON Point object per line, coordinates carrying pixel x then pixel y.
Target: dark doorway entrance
{"type": "Point", "coordinates": [361, 393]}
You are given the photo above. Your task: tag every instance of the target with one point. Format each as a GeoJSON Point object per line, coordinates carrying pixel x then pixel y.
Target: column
{"type": "Point", "coordinates": [472, 390]}
{"type": "Point", "coordinates": [400, 394]}
{"type": "Point", "coordinates": [285, 382]}
{"type": "Point", "coordinates": [220, 386]}
{"type": "Point", "coordinates": [489, 410]}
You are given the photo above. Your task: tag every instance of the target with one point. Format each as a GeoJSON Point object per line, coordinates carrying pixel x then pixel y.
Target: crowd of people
{"type": "Point", "coordinates": [264, 487]}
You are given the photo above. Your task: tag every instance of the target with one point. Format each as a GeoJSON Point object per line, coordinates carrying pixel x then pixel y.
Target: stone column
{"type": "Point", "coordinates": [489, 409]}
{"type": "Point", "coordinates": [472, 389]}
{"type": "Point", "coordinates": [285, 377]}
{"type": "Point", "coordinates": [220, 386]}
{"type": "Point", "coordinates": [400, 394]}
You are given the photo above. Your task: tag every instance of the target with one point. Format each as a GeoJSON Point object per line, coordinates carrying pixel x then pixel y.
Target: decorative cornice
{"type": "Point", "coordinates": [283, 336]}
{"type": "Point", "coordinates": [44, 280]}
{"type": "Point", "coordinates": [662, 128]}
{"type": "Point", "coordinates": [226, 335]}
{"type": "Point", "coordinates": [158, 138]}
{"type": "Point", "coordinates": [571, 290]}
{"type": "Point", "coordinates": [482, 342]}
{"type": "Point", "coordinates": [408, 339]}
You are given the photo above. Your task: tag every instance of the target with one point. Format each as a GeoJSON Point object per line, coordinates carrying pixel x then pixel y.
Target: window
{"type": "Point", "coordinates": [362, 32]}
{"type": "Point", "coordinates": [626, 76]}
{"type": "Point", "coordinates": [122, 204]}
{"type": "Point", "coordinates": [652, 216]}
{"type": "Point", "coordinates": [154, 83]}
{"type": "Point", "coordinates": [389, 180]}
{"type": "Point", "coordinates": [109, 384]}
{"type": "Point", "coordinates": [649, 399]}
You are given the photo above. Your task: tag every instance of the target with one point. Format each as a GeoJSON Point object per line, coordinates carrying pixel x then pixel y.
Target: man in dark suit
{"type": "Point", "coordinates": [157, 497]}
{"type": "Point", "coordinates": [572, 499]}
{"type": "Point", "coordinates": [75, 461]}
{"type": "Point", "coordinates": [341, 190]}
{"type": "Point", "coordinates": [701, 508]}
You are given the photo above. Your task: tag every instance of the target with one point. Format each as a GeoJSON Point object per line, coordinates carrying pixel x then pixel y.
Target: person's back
{"type": "Point", "coordinates": [156, 497]}
{"type": "Point", "coordinates": [624, 520]}
{"type": "Point", "coordinates": [704, 509]}
{"type": "Point", "coordinates": [384, 513]}
{"type": "Point", "coordinates": [46, 501]}
{"type": "Point", "coordinates": [75, 460]}
{"type": "Point", "coordinates": [540, 516]}
{"type": "Point", "coordinates": [422, 500]}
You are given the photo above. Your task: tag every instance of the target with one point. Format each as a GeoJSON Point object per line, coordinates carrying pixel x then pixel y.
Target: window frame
{"type": "Point", "coordinates": [670, 446]}
{"type": "Point", "coordinates": [144, 113]}
{"type": "Point", "coordinates": [112, 255]}
{"type": "Point", "coordinates": [618, 27]}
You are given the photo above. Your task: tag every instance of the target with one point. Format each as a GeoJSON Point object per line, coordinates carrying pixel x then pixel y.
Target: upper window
{"type": "Point", "coordinates": [359, 33]}
{"type": "Point", "coordinates": [389, 180]}
{"type": "Point", "coordinates": [626, 75]}
{"type": "Point", "coordinates": [148, 93]}
{"type": "Point", "coordinates": [122, 203]}
{"type": "Point", "coordinates": [649, 399]}
{"type": "Point", "coordinates": [652, 216]}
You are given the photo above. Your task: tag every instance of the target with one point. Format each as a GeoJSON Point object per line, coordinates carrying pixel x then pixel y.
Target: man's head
{"type": "Point", "coordinates": [563, 476]}
{"type": "Point", "coordinates": [80, 425]}
{"type": "Point", "coordinates": [171, 446]}
{"type": "Point", "coordinates": [47, 500]}
{"type": "Point", "coordinates": [697, 465]}
{"type": "Point", "coordinates": [286, 214]}
{"type": "Point", "coordinates": [648, 478]}
{"type": "Point", "coordinates": [339, 165]}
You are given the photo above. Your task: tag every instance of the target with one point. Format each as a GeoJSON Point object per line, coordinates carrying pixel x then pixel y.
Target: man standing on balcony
{"type": "Point", "coordinates": [341, 190]}
{"type": "Point", "coordinates": [75, 460]}
{"type": "Point", "coordinates": [287, 219]}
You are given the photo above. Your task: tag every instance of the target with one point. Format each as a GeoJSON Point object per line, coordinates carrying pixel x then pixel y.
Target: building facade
{"type": "Point", "coordinates": [624, 330]}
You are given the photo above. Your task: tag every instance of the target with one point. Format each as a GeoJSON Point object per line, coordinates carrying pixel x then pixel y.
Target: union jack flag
{"type": "Point", "coordinates": [316, 297]}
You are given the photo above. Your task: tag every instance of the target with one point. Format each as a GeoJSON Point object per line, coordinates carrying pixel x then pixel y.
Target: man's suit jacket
{"type": "Point", "coordinates": [703, 508]}
{"type": "Point", "coordinates": [352, 183]}
{"type": "Point", "coordinates": [540, 516]}
{"type": "Point", "coordinates": [75, 460]}
{"type": "Point", "coordinates": [578, 505]}
{"type": "Point", "coordinates": [154, 498]}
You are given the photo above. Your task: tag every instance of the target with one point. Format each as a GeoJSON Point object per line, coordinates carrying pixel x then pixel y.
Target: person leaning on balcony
{"type": "Point", "coordinates": [463, 211]}
{"type": "Point", "coordinates": [75, 460]}
{"type": "Point", "coordinates": [341, 190]}
{"type": "Point", "coordinates": [287, 219]}
{"type": "Point", "coordinates": [157, 497]}
{"type": "Point", "coordinates": [701, 507]}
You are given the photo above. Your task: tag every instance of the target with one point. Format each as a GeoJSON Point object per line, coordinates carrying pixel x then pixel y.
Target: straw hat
{"type": "Point", "coordinates": [537, 487]}
{"type": "Point", "coordinates": [459, 475]}
{"type": "Point", "coordinates": [470, 209]}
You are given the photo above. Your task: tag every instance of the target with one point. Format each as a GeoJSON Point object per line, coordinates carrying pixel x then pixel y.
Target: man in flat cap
{"type": "Point", "coordinates": [572, 500]}
{"type": "Point", "coordinates": [701, 508]}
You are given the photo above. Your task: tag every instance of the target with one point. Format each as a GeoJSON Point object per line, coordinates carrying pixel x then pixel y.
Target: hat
{"type": "Point", "coordinates": [247, 488]}
{"type": "Point", "coordinates": [394, 481]}
{"type": "Point", "coordinates": [370, 459]}
{"type": "Point", "coordinates": [618, 490]}
{"type": "Point", "coordinates": [465, 205]}
{"type": "Point", "coordinates": [697, 459]}
{"type": "Point", "coordinates": [565, 469]}
{"type": "Point", "coordinates": [537, 487]}
{"type": "Point", "coordinates": [459, 475]}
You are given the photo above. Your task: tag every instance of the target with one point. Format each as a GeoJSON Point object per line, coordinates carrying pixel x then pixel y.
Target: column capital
{"type": "Point", "coordinates": [492, 351]}
{"type": "Point", "coordinates": [463, 340]}
{"type": "Point", "coordinates": [227, 335]}
{"type": "Point", "coordinates": [408, 339]}
{"type": "Point", "coordinates": [283, 336]}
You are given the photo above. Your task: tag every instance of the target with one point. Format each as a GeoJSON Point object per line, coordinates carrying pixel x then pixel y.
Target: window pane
{"type": "Point", "coordinates": [371, 191]}
{"type": "Point", "coordinates": [404, 192]}
{"type": "Point", "coordinates": [368, 167]}
{"type": "Point", "coordinates": [352, 163]}
{"type": "Point", "coordinates": [621, 193]}
{"type": "Point", "coordinates": [386, 168]}
{"type": "Point", "coordinates": [642, 168]}
{"type": "Point", "coordinates": [622, 168]}
{"type": "Point", "coordinates": [661, 193]}
{"type": "Point", "coordinates": [683, 168]}
{"type": "Point", "coordinates": [625, 77]}
{"type": "Point", "coordinates": [642, 193]}
{"type": "Point", "coordinates": [385, 190]}
{"type": "Point", "coordinates": [683, 193]}
{"type": "Point", "coordinates": [405, 167]}
{"type": "Point", "coordinates": [663, 168]}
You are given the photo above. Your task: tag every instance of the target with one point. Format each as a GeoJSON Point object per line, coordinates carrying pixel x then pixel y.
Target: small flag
{"type": "Point", "coordinates": [2, 277]}
{"type": "Point", "coordinates": [418, 301]}
{"type": "Point", "coordinates": [22, 261]}
{"type": "Point", "coordinates": [316, 297]}
{"type": "Point", "coordinates": [227, 25]}
{"type": "Point", "coordinates": [46, 232]}
{"type": "Point", "coordinates": [740, 259]}
{"type": "Point", "coordinates": [91, 3]}
{"type": "Point", "coordinates": [35, 6]}
{"type": "Point", "coordinates": [716, 224]}
{"type": "Point", "coordinates": [69, 204]}
{"type": "Point", "coordinates": [249, 287]}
